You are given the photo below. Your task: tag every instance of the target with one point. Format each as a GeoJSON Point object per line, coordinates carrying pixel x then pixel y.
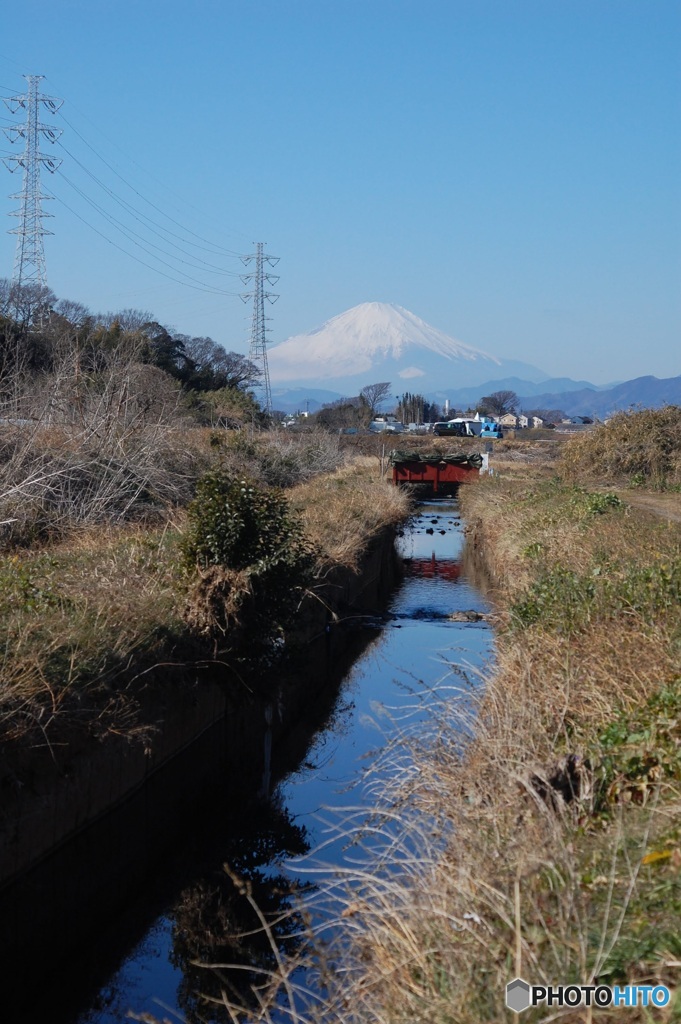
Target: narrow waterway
{"type": "Point", "coordinates": [192, 904]}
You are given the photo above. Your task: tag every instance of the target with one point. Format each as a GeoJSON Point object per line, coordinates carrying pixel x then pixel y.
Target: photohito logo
{"type": "Point", "coordinates": [520, 995]}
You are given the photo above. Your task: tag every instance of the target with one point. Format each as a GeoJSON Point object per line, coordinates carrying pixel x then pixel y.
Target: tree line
{"type": "Point", "coordinates": [41, 336]}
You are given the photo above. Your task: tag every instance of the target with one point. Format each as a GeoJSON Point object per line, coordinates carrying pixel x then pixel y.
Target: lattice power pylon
{"type": "Point", "coordinates": [29, 259]}
{"type": "Point", "coordinates": [258, 350]}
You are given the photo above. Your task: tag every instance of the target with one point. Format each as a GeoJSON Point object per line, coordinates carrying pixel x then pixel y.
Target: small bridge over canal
{"type": "Point", "coordinates": [435, 472]}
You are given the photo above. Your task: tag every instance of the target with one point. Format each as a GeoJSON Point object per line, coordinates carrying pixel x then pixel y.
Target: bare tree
{"type": "Point", "coordinates": [225, 369]}
{"type": "Point", "coordinates": [498, 403]}
{"type": "Point", "coordinates": [27, 304]}
{"type": "Point", "coordinates": [374, 394]}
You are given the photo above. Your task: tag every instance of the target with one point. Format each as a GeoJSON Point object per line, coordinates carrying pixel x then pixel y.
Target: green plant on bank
{"type": "Point", "coordinates": [555, 502]}
{"type": "Point", "coordinates": [562, 600]}
{"type": "Point", "coordinates": [631, 890]}
{"type": "Point", "coordinates": [234, 523]}
{"type": "Point", "coordinates": [641, 749]}
{"type": "Point", "coordinates": [252, 559]}
{"type": "Point", "coordinates": [609, 915]}
{"type": "Point", "coordinates": [25, 588]}
{"type": "Point", "coordinates": [594, 503]}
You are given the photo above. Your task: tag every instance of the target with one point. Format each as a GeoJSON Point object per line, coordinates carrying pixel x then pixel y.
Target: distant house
{"type": "Point", "coordinates": [523, 422]}
{"type": "Point", "coordinates": [537, 421]}
{"type": "Point", "coordinates": [508, 420]}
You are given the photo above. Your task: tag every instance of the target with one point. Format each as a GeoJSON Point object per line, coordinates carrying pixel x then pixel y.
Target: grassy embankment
{"type": "Point", "coordinates": [89, 601]}
{"type": "Point", "coordinates": [547, 843]}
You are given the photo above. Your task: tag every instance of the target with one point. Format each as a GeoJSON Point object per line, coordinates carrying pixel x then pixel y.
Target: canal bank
{"type": "Point", "coordinates": [414, 636]}
{"type": "Point", "coordinates": [194, 714]}
{"type": "Point", "coordinates": [144, 947]}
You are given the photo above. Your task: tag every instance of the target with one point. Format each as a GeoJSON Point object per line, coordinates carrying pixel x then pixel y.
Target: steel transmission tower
{"type": "Point", "coordinates": [29, 259]}
{"type": "Point", "coordinates": [258, 350]}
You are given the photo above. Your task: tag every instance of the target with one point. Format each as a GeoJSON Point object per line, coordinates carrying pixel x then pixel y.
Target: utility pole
{"type": "Point", "coordinates": [258, 350]}
{"type": "Point", "coordinates": [29, 258]}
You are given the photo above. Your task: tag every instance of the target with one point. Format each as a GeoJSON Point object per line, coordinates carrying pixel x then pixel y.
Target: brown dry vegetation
{"type": "Point", "coordinates": [548, 843]}
{"type": "Point", "coordinates": [84, 613]}
{"type": "Point", "coordinates": [639, 448]}
{"type": "Point", "coordinates": [561, 814]}
{"type": "Point", "coordinates": [341, 511]}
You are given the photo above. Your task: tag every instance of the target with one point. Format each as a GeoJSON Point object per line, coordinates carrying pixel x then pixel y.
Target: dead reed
{"type": "Point", "coordinates": [344, 510]}
{"type": "Point", "coordinates": [534, 829]}
{"type": "Point", "coordinates": [641, 448]}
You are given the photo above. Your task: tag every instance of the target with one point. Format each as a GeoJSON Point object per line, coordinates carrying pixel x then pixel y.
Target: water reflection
{"type": "Point", "coordinates": [237, 914]}
{"type": "Point", "coordinates": [429, 568]}
{"type": "Point", "coordinates": [212, 916]}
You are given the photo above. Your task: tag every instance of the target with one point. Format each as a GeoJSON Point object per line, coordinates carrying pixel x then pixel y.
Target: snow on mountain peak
{"type": "Point", "coordinates": [377, 337]}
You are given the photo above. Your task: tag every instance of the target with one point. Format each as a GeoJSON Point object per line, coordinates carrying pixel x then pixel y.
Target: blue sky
{"type": "Point", "coordinates": [509, 170]}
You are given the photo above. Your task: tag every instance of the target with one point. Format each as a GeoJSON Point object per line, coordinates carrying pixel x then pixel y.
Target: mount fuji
{"type": "Point", "coordinates": [380, 341]}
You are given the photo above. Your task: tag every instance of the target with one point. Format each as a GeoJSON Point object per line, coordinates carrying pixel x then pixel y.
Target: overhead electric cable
{"type": "Point", "coordinates": [112, 141]}
{"type": "Point", "coordinates": [228, 252]}
{"type": "Point", "coordinates": [131, 235]}
{"type": "Point", "coordinates": [212, 291]}
{"type": "Point", "coordinates": [141, 218]}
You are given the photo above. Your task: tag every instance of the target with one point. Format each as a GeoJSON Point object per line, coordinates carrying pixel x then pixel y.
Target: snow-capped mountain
{"type": "Point", "coordinates": [381, 341]}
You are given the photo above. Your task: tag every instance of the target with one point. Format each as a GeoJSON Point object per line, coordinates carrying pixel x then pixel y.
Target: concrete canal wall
{"type": "Point", "coordinates": [55, 794]}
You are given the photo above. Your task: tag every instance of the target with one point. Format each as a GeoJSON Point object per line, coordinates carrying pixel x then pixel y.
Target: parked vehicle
{"type": "Point", "coordinates": [451, 428]}
{"type": "Point", "coordinates": [386, 424]}
{"type": "Point", "coordinates": [467, 427]}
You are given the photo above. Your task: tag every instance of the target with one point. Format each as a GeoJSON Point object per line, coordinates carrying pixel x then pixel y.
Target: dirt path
{"type": "Point", "coordinates": [668, 506]}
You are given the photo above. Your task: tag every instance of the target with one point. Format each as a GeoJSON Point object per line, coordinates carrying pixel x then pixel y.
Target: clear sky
{"type": "Point", "coordinates": [509, 170]}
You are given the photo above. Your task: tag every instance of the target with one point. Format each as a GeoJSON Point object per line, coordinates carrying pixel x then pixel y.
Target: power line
{"type": "Point", "coordinates": [132, 235]}
{"type": "Point", "coordinates": [212, 291]}
{"type": "Point", "coordinates": [141, 218]}
{"type": "Point", "coordinates": [30, 262]}
{"type": "Point", "coordinates": [227, 252]}
{"type": "Point", "coordinates": [146, 171]}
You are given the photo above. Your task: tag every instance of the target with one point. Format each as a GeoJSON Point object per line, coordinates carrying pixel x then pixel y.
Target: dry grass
{"type": "Point", "coordinates": [54, 480]}
{"type": "Point", "coordinates": [514, 852]}
{"type": "Point", "coordinates": [76, 617]}
{"type": "Point", "coordinates": [640, 448]}
{"type": "Point", "coordinates": [343, 511]}
{"type": "Point", "coordinates": [80, 618]}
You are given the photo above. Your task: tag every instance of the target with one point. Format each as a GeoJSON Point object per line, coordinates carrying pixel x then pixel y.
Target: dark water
{"type": "Point", "coordinates": [192, 903]}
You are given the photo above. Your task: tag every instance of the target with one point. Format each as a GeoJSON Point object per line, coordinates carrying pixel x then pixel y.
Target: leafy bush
{"type": "Point", "coordinates": [560, 600]}
{"type": "Point", "coordinates": [252, 558]}
{"type": "Point", "coordinates": [595, 503]}
{"type": "Point", "coordinates": [25, 588]}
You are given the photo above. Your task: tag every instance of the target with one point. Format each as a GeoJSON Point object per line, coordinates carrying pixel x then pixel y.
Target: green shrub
{"type": "Point", "coordinates": [564, 601]}
{"type": "Point", "coordinates": [560, 599]}
{"type": "Point", "coordinates": [598, 503]}
{"type": "Point", "coordinates": [248, 556]}
{"type": "Point", "coordinates": [25, 587]}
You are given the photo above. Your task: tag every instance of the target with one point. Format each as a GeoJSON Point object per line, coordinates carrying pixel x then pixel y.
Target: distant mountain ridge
{"type": "Point", "coordinates": [575, 399]}
{"type": "Point", "coordinates": [648, 392]}
{"type": "Point", "coordinates": [463, 398]}
{"type": "Point", "coordinates": [381, 341]}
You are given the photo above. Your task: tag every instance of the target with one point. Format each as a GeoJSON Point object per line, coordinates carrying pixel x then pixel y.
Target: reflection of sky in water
{"type": "Point", "coordinates": [416, 650]}
{"type": "Point", "coordinates": [413, 651]}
